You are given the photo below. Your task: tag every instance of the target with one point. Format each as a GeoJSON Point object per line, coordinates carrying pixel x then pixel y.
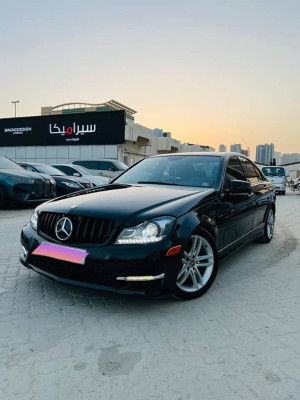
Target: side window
{"type": "Point", "coordinates": [62, 168]}
{"type": "Point", "coordinates": [88, 164]}
{"type": "Point", "coordinates": [249, 170]}
{"type": "Point", "coordinates": [234, 170]}
{"type": "Point", "coordinates": [71, 171]}
{"type": "Point", "coordinates": [107, 165]}
{"type": "Point", "coordinates": [28, 168]}
{"type": "Point", "coordinates": [259, 174]}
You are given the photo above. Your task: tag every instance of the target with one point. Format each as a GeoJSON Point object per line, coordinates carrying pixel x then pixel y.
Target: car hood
{"type": "Point", "coordinates": [20, 174]}
{"type": "Point", "coordinates": [128, 204]}
{"type": "Point", "coordinates": [70, 178]}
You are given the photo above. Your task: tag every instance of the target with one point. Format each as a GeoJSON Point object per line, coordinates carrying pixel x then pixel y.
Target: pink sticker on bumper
{"type": "Point", "coordinates": [70, 254]}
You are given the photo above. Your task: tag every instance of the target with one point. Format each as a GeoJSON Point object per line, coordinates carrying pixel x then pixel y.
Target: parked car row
{"type": "Point", "coordinates": [35, 182]}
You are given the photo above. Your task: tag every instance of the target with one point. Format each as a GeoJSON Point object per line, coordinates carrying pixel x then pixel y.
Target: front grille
{"type": "Point", "coordinates": [47, 188]}
{"type": "Point", "coordinates": [38, 188]}
{"type": "Point", "coordinates": [85, 229]}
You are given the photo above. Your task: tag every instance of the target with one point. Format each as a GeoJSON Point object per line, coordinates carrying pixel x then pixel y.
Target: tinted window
{"type": "Point", "coordinates": [66, 170]}
{"type": "Point", "coordinates": [249, 170]}
{"type": "Point", "coordinates": [47, 169]}
{"type": "Point", "coordinates": [88, 164]}
{"type": "Point", "coordinates": [273, 171]}
{"type": "Point", "coordinates": [261, 177]}
{"type": "Point", "coordinates": [28, 168]}
{"type": "Point", "coordinates": [106, 165]}
{"type": "Point", "coordinates": [234, 170]}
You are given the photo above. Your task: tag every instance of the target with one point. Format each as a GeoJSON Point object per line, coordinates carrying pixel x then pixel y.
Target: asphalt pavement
{"type": "Point", "coordinates": [241, 340]}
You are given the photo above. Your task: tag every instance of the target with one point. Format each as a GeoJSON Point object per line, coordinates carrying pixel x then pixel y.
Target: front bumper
{"type": "Point", "coordinates": [122, 268]}
{"type": "Point", "coordinates": [279, 187]}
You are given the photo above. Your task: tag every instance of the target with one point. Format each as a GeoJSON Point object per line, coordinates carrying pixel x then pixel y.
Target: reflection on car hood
{"type": "Point", "coordinates": [131, 203]}
{"type": "Point", "coordinates": [68, 178]}
{"type": "Point", "coordinates": [20, 174]}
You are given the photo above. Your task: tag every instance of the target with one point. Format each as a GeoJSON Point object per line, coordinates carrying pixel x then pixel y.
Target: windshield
{"type": "Point", "coordinates": [195, 171]}
{"type": "Point", "coordinates": [84, 170]}
{"type": "Point", "coordinates": [121, 166]}
{"type": "Point", "coordinates": [5, 163]}
{"type": "Point", "coordinates": [273, 171]}
{"type": "Point", "coordinates": [47, 169]}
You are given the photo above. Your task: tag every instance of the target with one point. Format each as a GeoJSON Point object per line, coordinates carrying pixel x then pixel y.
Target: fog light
{"type": "Point", "coordinates": [140, 278]}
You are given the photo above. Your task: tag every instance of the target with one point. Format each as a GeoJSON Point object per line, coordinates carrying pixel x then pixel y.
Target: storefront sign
{"type": "Point", "coordinates": [106, 127]}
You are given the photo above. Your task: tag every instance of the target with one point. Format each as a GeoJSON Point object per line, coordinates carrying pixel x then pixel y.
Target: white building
{"type": "Point", "coordinates": [222, 148]}
{"type": "Point", "coordinates": [290, 158]}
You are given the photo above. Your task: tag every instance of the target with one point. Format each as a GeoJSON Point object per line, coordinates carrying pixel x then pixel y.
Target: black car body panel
{"type": "Point", "coordinates": [64, 184]}
{"type": "Point", "coordinates": [19, 186]}
{"type": "Point", "coordinates": [99, 215]}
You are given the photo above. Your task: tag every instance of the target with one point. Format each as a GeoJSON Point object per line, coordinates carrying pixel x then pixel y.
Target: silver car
{"type": "Point", "coordinates": [104, 167]}
{"type": "Point", "coordinates": [77, 170]}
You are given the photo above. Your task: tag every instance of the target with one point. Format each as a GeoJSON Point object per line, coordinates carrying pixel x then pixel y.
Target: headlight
{"type": "Point", "coordinates": [71, 184]}
{"type": "Point", "coordinates": [34, 219]}
{"type": "Point", "coordinates": [147, 232]}
{"type": "Point", "coordinates": [21, 179]}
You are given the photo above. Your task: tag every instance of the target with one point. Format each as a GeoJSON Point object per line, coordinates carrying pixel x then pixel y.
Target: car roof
{"type": "Point", "coordinates": [203, 153]}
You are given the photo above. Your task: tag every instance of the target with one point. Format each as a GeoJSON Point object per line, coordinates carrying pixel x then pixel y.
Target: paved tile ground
{"type": "Point", "coordinates": [239, 341]}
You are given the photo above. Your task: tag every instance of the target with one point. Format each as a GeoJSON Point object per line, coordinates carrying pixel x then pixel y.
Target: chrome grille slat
{"type": "Point", "coordinates": [85, 229]}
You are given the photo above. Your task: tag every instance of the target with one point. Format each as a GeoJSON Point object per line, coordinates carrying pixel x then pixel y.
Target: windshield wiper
{"type": "Point", "coordinates": [159, 183]}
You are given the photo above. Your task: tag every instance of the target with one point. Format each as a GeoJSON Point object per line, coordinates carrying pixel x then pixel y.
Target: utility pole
{"type": "Point", "coordinates": [15, 103]}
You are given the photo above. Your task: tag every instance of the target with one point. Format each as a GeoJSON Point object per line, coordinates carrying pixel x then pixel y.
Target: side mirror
{"type": "Point", "coordinates": [239, 187]}
{"type": "Point", "coordinates": [77, 174]}
{"type": "Point", "coordinates": [112, 169]}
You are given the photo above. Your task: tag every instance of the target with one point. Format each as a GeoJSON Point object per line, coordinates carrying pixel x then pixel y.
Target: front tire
{"type": "Point", "coordinates": [3, 199]}
{"type": "Point", "coordinates": [199, 266]}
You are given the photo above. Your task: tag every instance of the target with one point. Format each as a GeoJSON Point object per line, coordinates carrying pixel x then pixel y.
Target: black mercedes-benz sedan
{"type": "Point", "coordinates": [160, 227]}
{"type": "Point", "coordinates": [22, 187]}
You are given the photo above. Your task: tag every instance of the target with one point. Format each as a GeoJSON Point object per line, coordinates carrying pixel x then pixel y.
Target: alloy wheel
{"type": "Point", "coordinates": [197, 265]}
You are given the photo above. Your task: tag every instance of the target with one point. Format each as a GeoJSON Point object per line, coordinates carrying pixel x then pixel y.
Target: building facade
{"type": "Point", "coordinates": [264, 153]}
{"type": "Point", "coordinates": [139, 141]}
{"type": "Point", "coordinates": [237, 148]}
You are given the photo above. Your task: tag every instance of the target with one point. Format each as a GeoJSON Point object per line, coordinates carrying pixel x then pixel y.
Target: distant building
{"type": "Point", "coordinates": [237, 148]}
{"type": "Point", "coordinates": [246, 152]}
{"type": "Point", "coordinates": [222, 147]}
{"type": "Point", "coordinates": [264, 153]}
{"type": "Point", "coordinates": [290, 158]}
{"type": "Point", "coordinates": [277, 156]}
{"type": "Point", "coordinates": [186, 147]}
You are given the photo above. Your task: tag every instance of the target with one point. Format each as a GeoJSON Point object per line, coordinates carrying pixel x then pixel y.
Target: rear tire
{"type": "Point", "coordinates": [267, 235]}
{"type": "Point", "coordinates": [199, 266]}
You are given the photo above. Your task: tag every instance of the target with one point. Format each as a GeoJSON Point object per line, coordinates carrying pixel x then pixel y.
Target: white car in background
{"type": "Point", "coordinates": [103, 167]}
{"type": "Point", "coordinates": [277, 176]}
{"type": "Point", "coordinates": [77, 170]}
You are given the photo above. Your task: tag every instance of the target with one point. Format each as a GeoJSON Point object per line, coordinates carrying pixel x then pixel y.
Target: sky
{"type": "Point", "coordinates": [208, 71]}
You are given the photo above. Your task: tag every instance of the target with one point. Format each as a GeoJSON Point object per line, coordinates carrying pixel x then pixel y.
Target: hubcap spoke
{"type": "Point", "coordinates": [184, 278]}
{"type": "Point", "coordinates": [194, 279]}
{"type": "Point", "coordinates": [198, 276]}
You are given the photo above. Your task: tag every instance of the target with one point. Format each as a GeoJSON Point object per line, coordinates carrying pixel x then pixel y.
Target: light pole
{"type": "Point", "coordinates": [15, 103]}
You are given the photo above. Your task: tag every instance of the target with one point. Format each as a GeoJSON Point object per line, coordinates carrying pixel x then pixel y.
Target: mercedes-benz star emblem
{"type": "Point", "coordinates": [63, 228]}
